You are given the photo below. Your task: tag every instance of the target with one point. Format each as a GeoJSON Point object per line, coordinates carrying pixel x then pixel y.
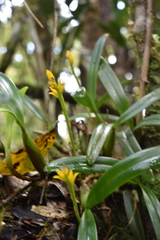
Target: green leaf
{"type": "Point", "coordinates": [80, 164]}
{"type": "Point", "coordinates": [122, 172]}
{"type": "Point", "coordinates": [22, 91]}
{"type": "Point", "coordinates": [34, 153]}
{"type": "Point", "coordinates": [94, 65]}
{"type": "Point", "coordinates": [101, 101]}
{"type": "Point", "coordinates": [128, 142]}
{"type": "Point", "coordinates": [87, 227]}
{"type": "Point", "coordinates": [4, 99]}
{"type": "Point", "coordinates": [9, 88]}
{"type": "Point", "coordinates": [8, 111]}
{"type": "Point", "coordinates": [153, 206]}
{"type": "Point", "coordinates": [136, 224]}
{"type": "Point", "coordinates": [113, 86]}
{"type": "Point", "coordinates": [130, 145]}
{"type": "Point", "coordinates": [81, 96]}
{"type": "Point", "coordinates": [97, 140]}
{"type": "Point", "coordinates": [137, 107]}
{"type": "Point", "coordinates": [33, 108]}
{"type": "Point", "coordinates": [149, 121]}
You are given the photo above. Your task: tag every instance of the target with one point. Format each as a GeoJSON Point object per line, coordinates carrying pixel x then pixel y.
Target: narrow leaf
{"type": "Point", "coordinates": [128, 142]}
{"type": "Point", "coordinates": [101, 101]}
{"type": "Point", "coordinates": [137, 107]}
{"type": "Point", "coordinates": [80, 164]}
{"type": "Point", "coordinates": [33, 108]}
{"type": "Point", "coordinates": [34, 153]}
{"type": "Point", "coordinates": [113, 86]}
{"type": "Point", "coordinates": [9, 88]}
{"type": "Point", "coordinates": [153, 206]}
{"type": "Point", "coordinates": [94, 65]}
{"type": "Point", "coordinates": [149, 121]}
{"type": "Point", "coordinates": [133, 216]}
{"type": "Point", "coordinates": [22, 91]}
{"type": "Point", "coordinates": [122, 172]}
{"type": "Point", "coordinates": [87, 228]}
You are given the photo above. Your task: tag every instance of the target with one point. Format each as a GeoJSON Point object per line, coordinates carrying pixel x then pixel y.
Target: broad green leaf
{"type": "Point", "coordinates": [137, 107]}
{"type": "Point", "coordinates": [136, 224]}
{"type": "Point", "coordinates": [153, 206]}
{"type": "Point", "coordinates": [113, 86]}
{"type": "Point", "coordinates": [15, 105]}
{"type": "Point", "coordinates": [87, 227]}
{"type": "Point", "coordinates": [149, 121]}
{"type": "Point", "coordinates": [122, 172]}
{"type": "Point", "coordinates": [33, 108]}
{"type": "Point", "coordinates": [94, 65]}
{"type": "Point", "coordinates": [80, 164]}
{"type": "Point", "coordinates": [97, 140]}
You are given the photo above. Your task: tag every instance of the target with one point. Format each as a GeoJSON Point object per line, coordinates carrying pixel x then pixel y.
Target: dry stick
{"type": "Point", "coordinates": [36, 19]}
{"type": "Point", "coordinates": [146, 56]}
{"type": "Point", "coordinates": [15, 194]}
{"type": "Point", "coordinates": [51, 68]}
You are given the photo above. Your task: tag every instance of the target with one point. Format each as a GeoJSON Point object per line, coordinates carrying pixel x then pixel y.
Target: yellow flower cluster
{"type": "Point", "coordinates": [66, 175]}
{"type": "Point", "coordinates": [55, 88]}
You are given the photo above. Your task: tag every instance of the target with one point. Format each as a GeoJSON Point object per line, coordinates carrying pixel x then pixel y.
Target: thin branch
{"type": "Point", "coordinates": [54, 34]}
{"type": "Point", "coordinates": [36, 19]}
{"type": "Point", "coordinates": [15, 194]}
{"type": "Point", "coordinates": [146, 56]}
{"type": "Point", "coordinates": [47, 97]}
{"type": "Point", "coordinates": [52, 56]}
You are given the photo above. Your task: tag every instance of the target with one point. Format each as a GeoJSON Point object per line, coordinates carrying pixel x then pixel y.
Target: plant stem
{"type": "Point", "coordinates": [72, 68]}
{"type": "Point", "coordinates": [62, 102]}
{"type": "Point", "coordinates": [73, 197]}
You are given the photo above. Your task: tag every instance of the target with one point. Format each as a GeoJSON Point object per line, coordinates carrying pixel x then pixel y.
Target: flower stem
{"type": "Point", "coordinates": [62, 102]}
{"type": "Point", "coordinates": [73, 197]}
{"type": "Point", "coordinates": [72, 68]}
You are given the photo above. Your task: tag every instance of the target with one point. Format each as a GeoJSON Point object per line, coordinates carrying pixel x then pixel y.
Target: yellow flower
{"type": "Point", "coordinates": [66, 175]}
{"type": "Point", "coordinates": [69, 57]}
{"type": "Point", "coordinates": [55, 88]}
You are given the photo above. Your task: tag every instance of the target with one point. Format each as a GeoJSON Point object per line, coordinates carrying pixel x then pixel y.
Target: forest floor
{"type": "Point", "coordinates": [43, 210]}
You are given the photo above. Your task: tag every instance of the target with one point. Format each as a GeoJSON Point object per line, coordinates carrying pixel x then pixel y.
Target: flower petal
{"type": "Point", "coordinates": [54, 93]}
{"type": "Point", "coordinates": [50, 75]}
{"type": "Point", "coordinates": [58, 177]}
{"type": "Point", "coordinates": [72, 176]}
{"type": "Point", "coordinates": [60, 86]}
{"type": "Point", "coordinates": [53, 84]}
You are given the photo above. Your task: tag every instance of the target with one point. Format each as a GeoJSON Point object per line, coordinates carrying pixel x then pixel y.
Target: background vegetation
{"type": "Point", "coordinates": [114, 97]}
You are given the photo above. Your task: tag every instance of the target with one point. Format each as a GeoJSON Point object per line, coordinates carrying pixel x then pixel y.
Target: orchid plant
{"type": "Point", "coordinates": [135, 168]}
